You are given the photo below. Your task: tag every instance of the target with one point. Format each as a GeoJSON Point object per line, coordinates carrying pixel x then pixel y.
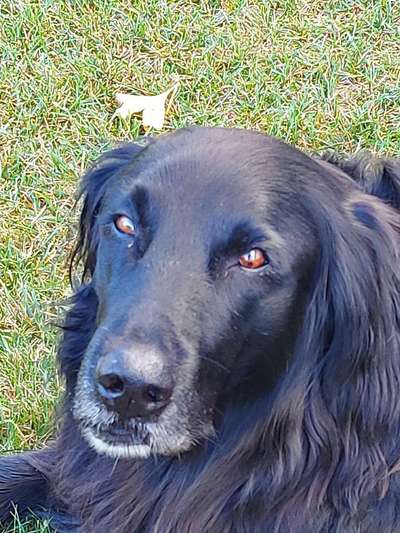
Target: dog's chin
{"type": "Point", "coordinates": [134, 443]}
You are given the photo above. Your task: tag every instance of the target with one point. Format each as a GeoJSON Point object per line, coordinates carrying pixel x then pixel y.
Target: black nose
{"type": "Point", "coordinates": [134, 384]}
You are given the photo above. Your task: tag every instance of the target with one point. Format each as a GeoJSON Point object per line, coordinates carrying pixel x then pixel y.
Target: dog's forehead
{"type": "Point", "coordinates": [229, 171]}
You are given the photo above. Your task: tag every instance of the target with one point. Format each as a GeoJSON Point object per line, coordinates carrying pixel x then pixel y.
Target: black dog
{"type": "Point", "coordinates": [232, 359]}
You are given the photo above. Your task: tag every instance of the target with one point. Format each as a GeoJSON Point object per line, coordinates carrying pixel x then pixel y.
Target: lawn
{"type": "Point", "coordinates": [320, 74]}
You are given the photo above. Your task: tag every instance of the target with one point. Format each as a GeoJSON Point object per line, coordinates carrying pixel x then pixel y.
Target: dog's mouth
{"type": "Point", "coordinates": [119, 440]}
{"type": "Point", "coordinates": [116, 434]}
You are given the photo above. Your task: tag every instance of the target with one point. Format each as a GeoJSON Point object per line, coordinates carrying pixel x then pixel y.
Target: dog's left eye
{"type": "Point", "coordinates": [254, 259]}
{"type": "Point", "coordinates": [125, 225]}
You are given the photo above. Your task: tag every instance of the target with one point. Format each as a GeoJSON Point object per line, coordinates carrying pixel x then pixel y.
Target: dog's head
{"type": "Point", "coordinates": [222, 263]}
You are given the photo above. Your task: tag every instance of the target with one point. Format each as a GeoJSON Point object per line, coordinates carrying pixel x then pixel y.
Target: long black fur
{"type": "Point", "coordinates": [318, 453]}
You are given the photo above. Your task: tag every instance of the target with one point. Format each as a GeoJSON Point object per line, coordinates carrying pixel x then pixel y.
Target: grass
{"type": "Point", "coordinates": [321, 74]}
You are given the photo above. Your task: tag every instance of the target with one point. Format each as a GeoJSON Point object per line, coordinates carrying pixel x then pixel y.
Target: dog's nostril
{"type": "Point", "coordinates": [111, 385]}
{"type": "Point", "coordinates": [157, 394]}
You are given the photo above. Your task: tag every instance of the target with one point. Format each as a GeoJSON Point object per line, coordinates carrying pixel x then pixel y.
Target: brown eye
{"type": "Point", "coordinates": [125, 225]}
{"type": "Point", "coordinates": [253, 260]}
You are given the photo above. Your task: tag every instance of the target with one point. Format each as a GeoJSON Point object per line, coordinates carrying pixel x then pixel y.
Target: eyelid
{"type": "Point", "coordinates": [118, 215]}
{"type": "Point", "coordinates": [260, 244]}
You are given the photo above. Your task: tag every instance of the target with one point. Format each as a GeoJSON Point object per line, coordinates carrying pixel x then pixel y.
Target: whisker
{"type": "Point", "coordinates": [114, 465]}
{"type": "Point", "coordinates": [216, 363]}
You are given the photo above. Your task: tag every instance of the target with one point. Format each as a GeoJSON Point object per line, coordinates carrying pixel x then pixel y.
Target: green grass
{"type": "Point", "coordinates": [28, 526]}
{"type": "Point", "coordinates": [321, 74]}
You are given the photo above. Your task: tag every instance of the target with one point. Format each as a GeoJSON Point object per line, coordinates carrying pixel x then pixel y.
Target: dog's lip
{"type": "Point", "coordinates": [119, 434]}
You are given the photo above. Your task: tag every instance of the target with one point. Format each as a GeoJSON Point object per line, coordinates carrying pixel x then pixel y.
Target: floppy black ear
{"type": "Point", "coordinates": [92, 189]}
{"type": "Point", "coordinates": [359, 285]}
{"type": "Point", "coordinates": [377, 176]}
{"type": "Point", "coordinates": [361, 267]}
{"type": "Point", "coordinates": [352, 328]}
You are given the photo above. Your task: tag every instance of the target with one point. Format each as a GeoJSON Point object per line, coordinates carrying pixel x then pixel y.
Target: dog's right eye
{"type": "Point", "coordinates": [125, 225]}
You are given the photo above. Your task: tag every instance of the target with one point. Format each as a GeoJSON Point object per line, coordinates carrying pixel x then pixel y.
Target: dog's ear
{"type": "Point", "coordinates": [351, 346]}
{"type": "Point", "coordinates": [92, 189]}
{"type": "Point", "coordinates": [377, 176]}
{"type": "Point", "coordinates": [360, 283]}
